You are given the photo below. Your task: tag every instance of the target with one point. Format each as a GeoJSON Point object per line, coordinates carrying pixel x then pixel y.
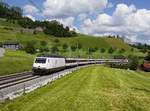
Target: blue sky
{"type": "Point", "coordinates": [129, 18]}
{"type": "Point", "coordinates": [137, 3]}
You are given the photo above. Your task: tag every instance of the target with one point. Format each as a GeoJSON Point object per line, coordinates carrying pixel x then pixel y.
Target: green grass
{"type": "Point", "coordinates": [95, 88]}
{"type": "Point", "coordinates": [15, 61]}
{"type": "Point", "coordinates": [117, 43]}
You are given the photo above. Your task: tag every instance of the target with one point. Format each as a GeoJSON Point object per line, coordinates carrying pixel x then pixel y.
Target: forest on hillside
{"type": "Point", "coordinates": [15, 15]}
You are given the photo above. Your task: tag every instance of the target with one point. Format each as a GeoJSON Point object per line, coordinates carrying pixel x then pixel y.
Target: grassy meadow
{"type": "Point", "coordinates": [95, 88]}
{"type": "Point", "coordinates": [15, 61]}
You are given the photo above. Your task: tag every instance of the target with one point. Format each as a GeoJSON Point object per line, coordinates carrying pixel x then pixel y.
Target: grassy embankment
{"type": "Point", "coordinates": [90, 89]}
{"type": "Point", "coordinates": [15, 61]}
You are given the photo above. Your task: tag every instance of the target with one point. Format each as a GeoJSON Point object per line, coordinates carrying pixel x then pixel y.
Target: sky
{"type": "Point", "coordinates": [127, 18]}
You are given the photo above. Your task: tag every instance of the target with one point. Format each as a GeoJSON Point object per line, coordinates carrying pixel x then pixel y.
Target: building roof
{"type": "Point", "coordinates": [10, 43]}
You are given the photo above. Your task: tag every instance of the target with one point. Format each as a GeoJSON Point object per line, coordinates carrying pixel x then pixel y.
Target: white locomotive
{"type": "Point", "coordinates": [48, 64]}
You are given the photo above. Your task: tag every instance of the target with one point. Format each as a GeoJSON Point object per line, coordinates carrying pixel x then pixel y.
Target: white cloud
{"type": "Point", "coordinates": [66, 8]}
{"type": "Point", "coordinates": [69, 21]}
{"type": "Point", "coordinates": [30, 9]}
{"type": "Point", "coordinates": [82, 16]}
{"type": "Point", "coordinates": [126, 20]}
{"type": "Point", "coordinates": [30, 16]}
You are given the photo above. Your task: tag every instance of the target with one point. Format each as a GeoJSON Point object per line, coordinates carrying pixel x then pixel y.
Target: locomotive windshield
{"type": "Point", "coordinates": [40, 60]}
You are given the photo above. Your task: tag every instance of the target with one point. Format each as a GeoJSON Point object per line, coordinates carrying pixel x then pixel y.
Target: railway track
{"type": "Point", "coordinates": [11, 80]}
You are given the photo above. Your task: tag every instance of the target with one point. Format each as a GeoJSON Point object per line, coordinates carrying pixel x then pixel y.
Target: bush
{"type": "Point", "coordinates": [54, 49]}
{"type": "Point", "coordinates": [44, 49]}
{"type": "Point", "coordinates": [148, 56]}
{"type": "Point", "coordinates": [1, 44]}
{"type": "Point", "coordinates": [92, 50]}
{"type": "Point", "coordinates": [30, 48]}
{"type": "Point", "coordinates": [110, 50]}
{"type": "Point", "coordinates": [121, 50]}
{"type": "Point", "coordinates": [34, 32]}
{"type": "Point", "coordinates": [73, 48]}
{"type": "Point", "coordinates": [132, 49]}
{"type": "Point", "coordinates": [102, 50]}
{"type": "Point", "coordinates": [79, 46]}
{"type": "Point", "coordinates": [56, 41]}
{"type": "Point", "coordinates": [43, 43]}
{"type": "Point", "coordinates": [65, 46]}
{"type": "Point", "coordinates": [133, 62]}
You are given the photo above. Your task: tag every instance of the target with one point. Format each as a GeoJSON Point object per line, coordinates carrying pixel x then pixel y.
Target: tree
{"type": "Point", "coordinates": [43, 43]}
{"type": "Point", "coordinates": [65, 46]}
{"type": "Point", "coordinates": [54, 49]}
{"type": "Point", "coordinates": [110, 50]}
{"type": "Point", "coordinates": [148, 56]}
{"type": "Point", "coordinates": [73, 48]}
{"type": "Point", "coordinates": [91, 50]}
{"type": "Point", "coordinates": [121, 50]}
{"type": "Point", "coordinates": [30, 48]}
{"type": "Point", "coordinates": [133, 62]}
{"type": "Point", "coordinates": [56, 41]}
{"type": "Point", "coordinates": [57, 29]}
{"type": "Point", "coordinates": [16, 12]}
{"type": "Point", "coordinates": [26, 22]}
{"type": "Point", "coordinates": [132, 49]}
{"type": "Point", "coordinates": [102, 50]}
{"type": "Point", "coordinates": [79, 46]}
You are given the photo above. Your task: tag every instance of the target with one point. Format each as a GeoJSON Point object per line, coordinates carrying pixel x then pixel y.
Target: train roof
{"type": "Point", "coordinates": [51, 56]}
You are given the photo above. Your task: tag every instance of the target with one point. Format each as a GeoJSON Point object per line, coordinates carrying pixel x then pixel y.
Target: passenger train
{"type": "Point", "coordinates": [49, 64]}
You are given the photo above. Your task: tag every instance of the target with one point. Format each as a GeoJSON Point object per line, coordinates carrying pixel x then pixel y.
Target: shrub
{"type": "Point", "coordinates": [132, 49]}
{"type": "Point", "coordinates": [65, 46]}
{"type": "Point", "coordinates": [73, 48]}
{"type": "Point", "coordinates": [91, 50]}
{"type": "Point", "coordinates": [44, 49]}
{"type": "Point", "coordinates": [1, 44]}
{"type": "Point", "coordinates": [148, 56]}
{"type": "Point", "coordinates": [102, 50]}
{"type": "Point", "coordinates": [54, 49]}
{"type": "Point", "coordinates": [133, 62]}
{"type": "Point", "coordinates": [56, 41]}
{"type": "Point", "coordinates": [79, 46]}
{"type": "Point", "coordinates": [34, 32]}
{"type": "Point", "coordinates": [30, 48]}
{"type": "Point", "coordinates": [110, 50]}
{"type": "Point", "coordinates": [43, 43]}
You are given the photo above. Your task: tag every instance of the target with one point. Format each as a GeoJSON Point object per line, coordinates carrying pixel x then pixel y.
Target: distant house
{"type": "Point", "coordinates": [13, 46]}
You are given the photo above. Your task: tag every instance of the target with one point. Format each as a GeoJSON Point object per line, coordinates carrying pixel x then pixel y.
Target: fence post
{"type": "Point", "coordinates": [1, 96]}
{"type": "Point", "coordinates": [24, 88]}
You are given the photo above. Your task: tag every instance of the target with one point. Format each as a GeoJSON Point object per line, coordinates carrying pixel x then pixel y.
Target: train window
{"type": "Point", "coordinates": [40, 60]}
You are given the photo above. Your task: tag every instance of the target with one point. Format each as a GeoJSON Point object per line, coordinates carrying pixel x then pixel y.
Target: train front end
{"type": "Point", "coordinates": [40, 65]}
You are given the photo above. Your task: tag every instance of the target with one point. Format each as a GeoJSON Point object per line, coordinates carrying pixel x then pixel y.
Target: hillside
{"type": "Point", "coordinates": [90, 89]}
{"type": "Point", "coordinates": [14, 34]}
{"type": "Point", "coordinates": [15, 61]}
{"type": "Point", "coordinates": [7, 34]}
